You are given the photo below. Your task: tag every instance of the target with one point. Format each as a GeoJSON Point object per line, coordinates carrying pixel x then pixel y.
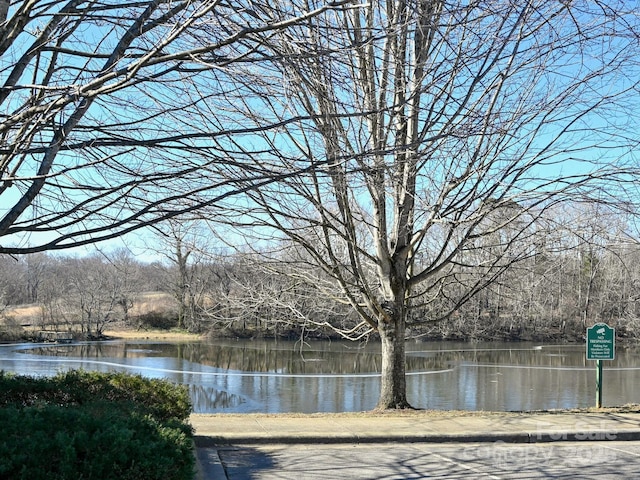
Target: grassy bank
{"type": "Point", "coordinates": [153, 334]}
{"type": "Point", "coordinates": [93, 425]}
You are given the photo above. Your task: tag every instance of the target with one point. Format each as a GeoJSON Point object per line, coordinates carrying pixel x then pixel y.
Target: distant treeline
{"type": "Point", "coordinates": [551, 296]}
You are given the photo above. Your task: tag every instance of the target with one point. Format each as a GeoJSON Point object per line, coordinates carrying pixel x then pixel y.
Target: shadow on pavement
{"type": "Point", "coordinates": [562, 460]}
{"type": "Point", "coordinates": [245, 462]}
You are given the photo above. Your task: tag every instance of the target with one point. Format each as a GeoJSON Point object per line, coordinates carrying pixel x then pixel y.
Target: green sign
{"type": "Point", "coordinates": [601, 342]}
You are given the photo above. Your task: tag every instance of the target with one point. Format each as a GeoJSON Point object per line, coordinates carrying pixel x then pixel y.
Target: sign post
{"type": "Point", "coordinates": [601, 345]}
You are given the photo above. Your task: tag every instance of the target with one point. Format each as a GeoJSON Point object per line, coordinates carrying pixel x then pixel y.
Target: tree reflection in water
{"type": "Point", "coordinates": [270, 376]}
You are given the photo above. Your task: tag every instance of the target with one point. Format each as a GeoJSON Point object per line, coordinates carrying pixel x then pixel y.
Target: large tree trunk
{"type": "Point", "coordinates": [393, 388]}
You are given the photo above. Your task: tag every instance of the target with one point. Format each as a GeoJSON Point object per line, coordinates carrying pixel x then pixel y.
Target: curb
{"type": "Point", "coordinates": [208, 464]}
{"type": "Point", "coordinates": [208, 442]}
{"type": "Point", "coordinates": [205, 441]}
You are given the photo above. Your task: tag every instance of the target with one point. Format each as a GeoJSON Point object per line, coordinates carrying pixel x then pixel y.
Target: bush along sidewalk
{"type": "Point", "coordinates": [93, 425]}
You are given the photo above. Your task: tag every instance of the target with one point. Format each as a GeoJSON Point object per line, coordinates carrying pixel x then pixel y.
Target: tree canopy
{"type": "Point", "coordinates": [105, 122]}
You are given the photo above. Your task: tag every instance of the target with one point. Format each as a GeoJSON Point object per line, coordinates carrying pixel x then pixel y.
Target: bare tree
{"type": "Point", "coordinates": [183, 245]}
{"type": "Point", "coordinates": [432, 117]}
{"type": "Point", "coordinates": [10, 273]}
{"type": "Point", "coordinates": [255, 299]}
{"type": "Point", "coordinates": [104, 124]}
{"type": "Point", "coordinates": [126, 278]}
{"type": "Point", "coordinates": [94, 289]}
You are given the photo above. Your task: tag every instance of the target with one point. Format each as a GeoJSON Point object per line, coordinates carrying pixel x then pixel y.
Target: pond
{"type": "Point", "coordinates": [227, 376]}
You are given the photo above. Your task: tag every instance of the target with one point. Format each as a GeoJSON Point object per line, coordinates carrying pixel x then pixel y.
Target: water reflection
{"type": "Point", "coordinates": [266, 376]}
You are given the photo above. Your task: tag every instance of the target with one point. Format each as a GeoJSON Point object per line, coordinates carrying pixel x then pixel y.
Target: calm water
{"type": "Point", "coordinates": [267, 376]}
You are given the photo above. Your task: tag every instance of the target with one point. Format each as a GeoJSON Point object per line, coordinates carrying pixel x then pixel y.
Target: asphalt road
{"type": "Point", "coordinates": [565, 460]}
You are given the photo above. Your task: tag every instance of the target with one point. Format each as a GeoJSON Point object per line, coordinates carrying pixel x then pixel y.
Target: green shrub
{"type": "Point", "coordinates": [157, 397]}
{"type": "Point", "coordinates": [94, 426]}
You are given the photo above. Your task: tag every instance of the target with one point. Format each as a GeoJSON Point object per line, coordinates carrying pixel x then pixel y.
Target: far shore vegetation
{"type": "Point", "coordinates": [104, 296]}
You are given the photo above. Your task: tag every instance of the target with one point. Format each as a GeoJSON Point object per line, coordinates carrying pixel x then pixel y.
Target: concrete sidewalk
{"type": "Point", "coordinates": [225, 429]}
{"type": "Point", "coordinates": [213, 432]}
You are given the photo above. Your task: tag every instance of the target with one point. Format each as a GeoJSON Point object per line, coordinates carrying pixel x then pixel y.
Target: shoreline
{"type": "Point", "coordinates": [152, 335]}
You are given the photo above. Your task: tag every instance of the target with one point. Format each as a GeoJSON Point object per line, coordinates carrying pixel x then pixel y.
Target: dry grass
{"type": "Point", "coordinates": [153, 302]}
{"type": "Point", "coordinates": [23, 321]}
{"type": "Point", "coordinates": [22, 315]}
{"type": "Point", "coordinates": [145, 303]}
{"type": "Point", "coordinates": [25, 311]}
{"type": "Point", "coordinates": [134, 334]}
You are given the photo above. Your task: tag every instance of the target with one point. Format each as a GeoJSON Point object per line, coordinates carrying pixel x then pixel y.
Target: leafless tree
{"type": "Point", "coordinates": [127, 279]}
{"type": "Point", "coordinates": [9, 275]}
{"type": "Point", "coordinates": [94, 290]}
{"type": "Point", "coordinates": [104, 124]}
{"type": "Point", "coordinates": [185, 248]}
{"type": "Point", "coordinates": [433, 117]}
{"type": "Point", "coordinates": [258, 300]}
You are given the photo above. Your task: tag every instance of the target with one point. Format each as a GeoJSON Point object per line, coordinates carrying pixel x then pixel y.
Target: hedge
{"type": "Point", "coordinates": [88, 425]}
